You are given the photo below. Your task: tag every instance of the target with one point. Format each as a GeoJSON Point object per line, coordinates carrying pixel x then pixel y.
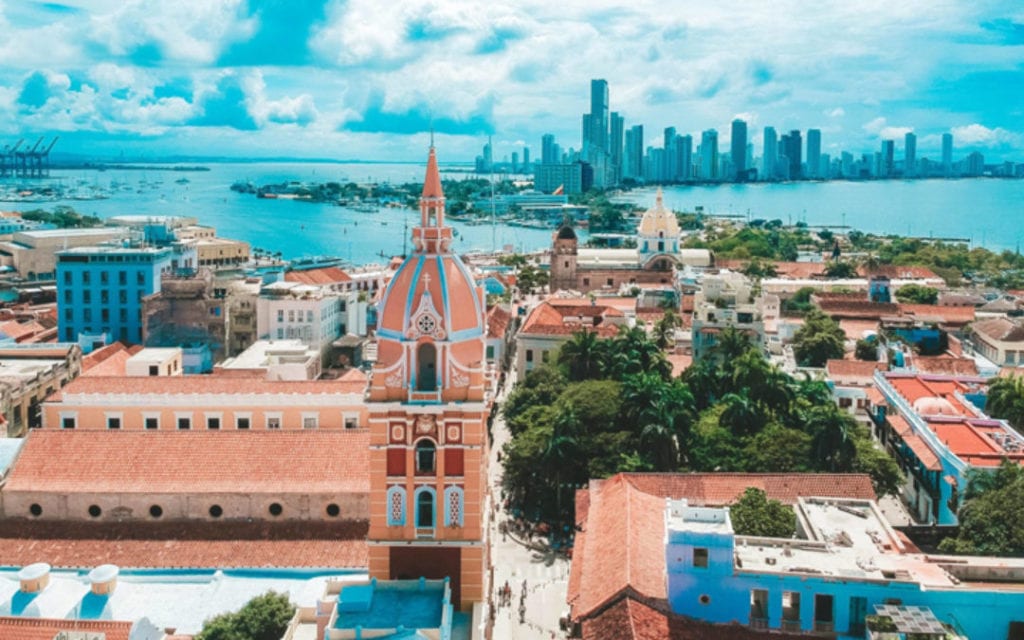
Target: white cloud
{"type": "Point", "coordinates": [838, 112]}
{"type": "Point", "coordinates": [894, 133]}
{"type": "Point", "coordinates": [980, 135]}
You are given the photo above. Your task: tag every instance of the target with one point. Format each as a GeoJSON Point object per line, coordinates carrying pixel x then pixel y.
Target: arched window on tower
{"type": "Point", "coordinates": [426, 458]}
{"type": "Point", "coordinates": [396, 507]}
{"type": "Point", "coordinates": [426, 359]}
{"type": "Point", "coordinates": [453, 501]}
{"type": "Point", "coordinates": [425, 508]}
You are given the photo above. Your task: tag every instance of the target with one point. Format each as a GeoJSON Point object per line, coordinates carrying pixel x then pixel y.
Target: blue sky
{"type": "Point", "coordinates": [364, 78]}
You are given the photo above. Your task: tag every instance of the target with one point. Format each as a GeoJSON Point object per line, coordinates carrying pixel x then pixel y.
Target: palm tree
{"type": "Point", "coordinates": [665, 329]}
{"type": "Point", "coordinates": [833, 438]}
{"type": "Point", "coordinates": [583, 355]}
{"type": "Point", "coordinates": [732, 343]}
{"type": "Point", "coordinates": [741, 416]}
{"type": "Point", "coordinates": [1006, 400]}
{"type": "Point", "coordinates": [633, 352]}
{"type": "Point", "coordinates": [560, 456]}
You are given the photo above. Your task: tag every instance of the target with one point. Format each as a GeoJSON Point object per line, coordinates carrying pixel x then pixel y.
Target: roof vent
{"type": "Point", "coordinates": [34, 578]}
{"type": "Point", "coordinates": [104, 579]}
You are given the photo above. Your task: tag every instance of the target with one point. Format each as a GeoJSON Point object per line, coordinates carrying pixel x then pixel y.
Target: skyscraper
{"type": "Point", "coordinates": [526, 159]}
{"type": "Point", "coordinates": [709, 155]}
{"type": "Point", "coordinates": [671, 164]}
{"type": "Point", "coordinates": [684, 147]}
{"type": "Point", "coordinates": [910, 154]}
{"type": "Point", "coordinates": [595, 132]}
{"type": "Point", "coordinates": [794, 152]}
{"type": "Point", "coordinates": [547, 150]}
{"type": "Point", "coordinates": [814, 153]}
{"type": "Point", "coordinates": [885, 169]}
{"type": "Point", "coordinates": [616, 141]}
{"type": "Point", "coordinates": [771, 152]}
{"type": "Point", "coordinates": [738, 150]}
{"type": "Point", "coordinates": [633, 163]}
{"type": "Point", "coordinates": [947, 154]}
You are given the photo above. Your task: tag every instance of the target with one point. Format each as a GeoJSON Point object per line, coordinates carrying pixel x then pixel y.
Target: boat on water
{"type": "Point", "coordinates": [316, 262]}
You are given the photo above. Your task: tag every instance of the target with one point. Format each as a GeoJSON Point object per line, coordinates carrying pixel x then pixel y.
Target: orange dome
{"type": "Point", "coordinates": [432, 309]}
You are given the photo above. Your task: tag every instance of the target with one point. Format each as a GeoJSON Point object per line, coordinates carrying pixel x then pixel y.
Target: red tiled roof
{"type": "Point", "coordinates": [354, 375]}
{"type": "Point", "coordinates": [875, 397]}
{"type": "Point", "coordinates": [18, 628]}
{"type": "Point", "coordinates": [999, 329]}
{"type": "Point", "coordinates": [550, 318]}
{"type": "Point", "coordinates": [857, 308]}
{"type": "Point", "coordinates": [108, 361]}
{"type": "Point", "coordinates": [899, 424]}
{"type": "Point", "coordinates": [632, 619]}
{"type": "Point", "coordinates": [923, 452]}
{"type": "Point", "coordinates": [205, 385]}
{"type": "Point", "coordinates": [498, 320]}
{"type": "Point", "coordinates": [938, 313]}
{"type": "Point", "coordinates": [946, 365]}
{"type": "Point", "coordinates": [856, 329]}
{"type": "Point", "coordinates": [620, 547]}
{"type": "Point", "coordinates": [624, 546]}
{"type": "Point", "coordinates": [192, 462]}
{"type": "Point", "coordinates": [323, 275]}
{"type": "Point", "coordinates": [185, 544]}
{"type": "Point", "coordinates": [19, 331]}
{"type": "Point", "coordinates": [859, 370]}
{"type": "Point", "coordinates": [719, 489]}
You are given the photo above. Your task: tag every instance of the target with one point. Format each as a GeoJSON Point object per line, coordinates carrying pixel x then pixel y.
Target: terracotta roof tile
{"type": "Point", "coordinates": [875, 397]}
{"type": "Point", "coordinates": [206, 385]}
{"type": "Point", "coordinates": [923, 452]}
{"type": "Point", "coordinates": [17, 628]}
{"type": "Point", "coordinates": [192, 462]}
{"type": "Point", "coordinates": [185, 544]}
{"type": "Point", "coordinates": [857, 329]}
{"type": "Point", "coordinates": [556, 318]}
{"type": "Point", "coordinates": [498, 320]}
{"type": "Point", "coordinates": [946, 365]}
{"type": "Point", "coordinates": [323, 275]}
{"type": "Point", "coordinates": [901, 272]}
{"type": "Point", "coordinates": [718, 489]}
{"type": "Point", "coordinates": [999, 329]}
{"type": "Point", "coordinates": [938, 313]}
{"type": "Point", "coordinates": [857, 371]}
{"type": "Point", "coordinates": [857, 308]}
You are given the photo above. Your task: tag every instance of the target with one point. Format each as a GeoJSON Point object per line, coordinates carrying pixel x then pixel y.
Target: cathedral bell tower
{"type": "Point", "coordinates": [428, 408]}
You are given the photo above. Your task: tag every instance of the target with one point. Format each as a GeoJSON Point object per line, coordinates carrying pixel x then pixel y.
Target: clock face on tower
{"type": "Point", "coordinates": [426, 324]}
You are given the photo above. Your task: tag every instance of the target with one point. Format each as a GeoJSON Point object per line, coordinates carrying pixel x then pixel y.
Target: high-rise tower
{"type": "Point", "coordinates": [428, 407]}
{"type": "Point", "coordinates": [738, 150]}
{"type": "Point", "coordinates": [814, 153]}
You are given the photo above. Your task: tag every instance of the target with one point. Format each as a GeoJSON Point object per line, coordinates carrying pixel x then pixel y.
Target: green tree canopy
{"type": "Point", "coordinates": [917, 294]}
{"type": "Point", "coordinates": [265, 617]}
{"type": "Point", "coordinates": [840, 269]}
{"type": "Point", "coordinates": [1006, 400]}
{"type": "Point", "coordinates": [990, 523]}
{"type": "Point", "coordinates": [818, 340]}
{"type": "Point", "coordinates": [755, 515]}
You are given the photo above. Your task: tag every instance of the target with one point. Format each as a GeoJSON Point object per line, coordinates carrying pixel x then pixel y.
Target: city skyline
{"type": "Point", "coordinates": [356, 80]}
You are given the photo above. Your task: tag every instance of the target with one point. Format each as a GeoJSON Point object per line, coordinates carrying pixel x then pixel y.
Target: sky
{"type": "Point", "coordinates": [367, 79]}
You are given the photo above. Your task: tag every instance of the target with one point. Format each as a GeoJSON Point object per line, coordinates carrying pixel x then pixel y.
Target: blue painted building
{"type": "Point", "coordinates": [844, 560]}
{"type": "Point", "coordinates": [100, 289]}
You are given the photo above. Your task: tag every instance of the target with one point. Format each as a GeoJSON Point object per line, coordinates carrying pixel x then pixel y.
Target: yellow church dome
{"type": "Point", "coordinates": [659, 222]}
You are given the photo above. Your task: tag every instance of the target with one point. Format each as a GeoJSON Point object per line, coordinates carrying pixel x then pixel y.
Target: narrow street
{"type": "Point", "coordinates": [544, 575]}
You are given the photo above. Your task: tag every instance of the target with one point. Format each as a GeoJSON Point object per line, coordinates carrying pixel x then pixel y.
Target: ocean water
{"type": "Point", "coordinates": [295, 228]}
{"type": "Point", "coordinates": [986, 212]}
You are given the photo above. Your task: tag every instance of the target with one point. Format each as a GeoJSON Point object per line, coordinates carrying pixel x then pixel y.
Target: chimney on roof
{"type": "Point", "coordinates": [34, 578]}
{"type": "Point", "coordinates": [103, 579]}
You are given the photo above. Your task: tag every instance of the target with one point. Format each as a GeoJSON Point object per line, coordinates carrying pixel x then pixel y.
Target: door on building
{"type": "Point", "coordinates": [426, 358]}
{"type": "Point", "coordinates": [858, 613]}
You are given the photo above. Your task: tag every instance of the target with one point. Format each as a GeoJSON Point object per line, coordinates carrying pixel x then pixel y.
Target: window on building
{"type": "Point", "coordinates": [67, 422]}
{"type": "Point", "coordinates": [122, 315]}
{"type": "Point", "coordinates": [700, 557]}
{"type": "Point", "coordinates": [87, 314]}
{"type": "Point", "coordinates": [67, 277]}
{"type": "Point", "coordinates": [396, 507]}
{"type": "Point", "coordinates": [87, 296]}
{"type": "Point", "coordinates": [67, 296]}
{"type": "Point", "coordinates": [85, 277]}
{"type": "Point", "coordinates": [586, 282]}
{"type": "Point", "coordinates": [759, 608]}
{"type": "Point", "coordinates": [790, 611]}
{"type": "Point", "coordinates": [529, 355]}
{"type": "Point", "coordinates": [242, 422]}
{"type": "Point", "coordinates": [68, 317]}
{"type": "Point", "coordinates": [113, 422]}
{"type": "Point", "coordinates": [122, 296]}
{"type": "Point", "coordinates": [426, 454]}
{"type": "Point", "coordinates": [453, 499]}
{"type": "Point", "coordinates": [184, 423]}
{"type": "Point", "coordinates": [140, 278]}
{"type": "Point", "coordinates": [280, 315]}
{"type": "Point", "coordinates": [490, 352]}
{"type": "Point", "coordinates": [351, 423]}
{"type": "Point", "coordinates": [105, 315]}
{"type": "Point", "coordinates": [152, 423]}
{"type": "Point", "coordinates": [122, 277]}
{"type": "Point", "coordinates": [104, 277]}
{"type": "Point", "coordinates": [273, 422]}
{"type": "Point", "coordinates": [310, 422]}
{"type": "Point", "coordinates": [425, 509]}
{"type": "Point", "coordinates": [544, 356]}
{"type": "Point", "coordinates": [610, 282]}
{"type": "Point", "coordinates": [213, 422]}
{"type": "Point", "coordinates": [824, 616]}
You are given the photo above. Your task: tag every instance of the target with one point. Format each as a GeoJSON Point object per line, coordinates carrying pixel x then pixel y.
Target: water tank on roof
{"type": "Point", "coordinates": [104, 579]}
{"type": "Point", "coordinates": [34, 578]}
